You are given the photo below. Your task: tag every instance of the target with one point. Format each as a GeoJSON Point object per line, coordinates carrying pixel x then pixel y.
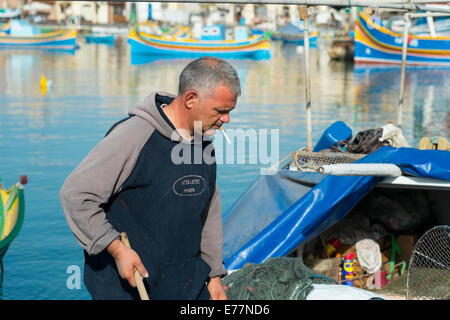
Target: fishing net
{"type": "Point", "coordinates": [344, 151]}
{"type": "Point", "coordinates": [428, 274]}
{"type": "Point", "coordinates": [304, 160]}
{"type": "Point", "coordinates": [284, 278]}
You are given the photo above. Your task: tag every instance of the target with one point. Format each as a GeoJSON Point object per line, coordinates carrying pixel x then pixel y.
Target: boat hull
{"type": "Point", "coordinates": [257, 47]}
{"type": "Point", "coordinates": [376, 44]}
{"type": "Point", "coordinates": [12, 208]}
{"type": "Point", "coordinates": [100, 39]}
{"type": "Point", "coordinates": [53, 40]}
{"type": "Point", "coordinates": [279, 212]}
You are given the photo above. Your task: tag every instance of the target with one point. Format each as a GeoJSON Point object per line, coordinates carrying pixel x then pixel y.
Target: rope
{"type": "Point", "coordinates": [308, 285]}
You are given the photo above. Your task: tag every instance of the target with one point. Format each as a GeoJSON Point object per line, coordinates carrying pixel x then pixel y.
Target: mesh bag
{"type": "Point", "coordinates": [284, 278]}
{"type": "Point", "coordinates": [428, 273]}
{"type": "Point", "coordinates": [312, 161]}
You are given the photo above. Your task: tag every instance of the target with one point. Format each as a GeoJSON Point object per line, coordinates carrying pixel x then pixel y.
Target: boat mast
{"type": "Point", "coordinates": [402, 77]}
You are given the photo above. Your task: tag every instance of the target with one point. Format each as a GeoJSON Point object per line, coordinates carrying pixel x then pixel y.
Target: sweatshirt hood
{"type": "Point", "coordinates": [149, 111]}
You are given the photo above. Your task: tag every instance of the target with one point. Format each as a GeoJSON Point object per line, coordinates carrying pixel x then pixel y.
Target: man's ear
{"type": "Point", "coordinates": [191, 98]}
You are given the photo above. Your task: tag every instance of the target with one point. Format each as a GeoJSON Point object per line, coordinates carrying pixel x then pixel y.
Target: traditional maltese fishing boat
{"type": "Point", "coordinates": [252, 47]}
{"type": "Point", "coordinates": [100, 38]}
{"type": "Point", "coordinates": [374, 43]}
{"type": "Point", "coordinates": [12, 209]}
{"type": "Point", "coordinates": [23, 35]}
{"type": "Point", "coordinates": [52, 40]}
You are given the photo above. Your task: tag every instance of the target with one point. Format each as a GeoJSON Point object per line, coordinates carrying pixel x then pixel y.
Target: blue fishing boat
{"type": "Point", "coordinates": [282, 211]}
{"type": "Point", "coordinates": [23, 35]}
{"type": "Point", "coordinates": [256, 47]}
{"type": "Point", "coordinates": [376, 44]}
{"type": "Point", "coordinates": [100, 38]}
{"type": "Point", "coordinates": [293, 34]}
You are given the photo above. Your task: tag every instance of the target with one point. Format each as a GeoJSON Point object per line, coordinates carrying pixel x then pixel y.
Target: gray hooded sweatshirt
{"type": "Point", "coordinates": [103, 172]}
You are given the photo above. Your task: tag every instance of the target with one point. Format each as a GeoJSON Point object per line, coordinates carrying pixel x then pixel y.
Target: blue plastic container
{"type": "Point", "coordinates": [338, 131]}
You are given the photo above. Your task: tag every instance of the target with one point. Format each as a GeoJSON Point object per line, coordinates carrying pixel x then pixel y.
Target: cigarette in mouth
{"type": "Point", "coordinates": [225, 135]}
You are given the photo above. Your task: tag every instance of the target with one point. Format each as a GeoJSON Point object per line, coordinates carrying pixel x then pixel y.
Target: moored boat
{"type": "Point", "coordinates": [100, 38]}
{"type": "Point", "coordinates": [253, 47]}
{"type": "Point", "coordinates": [299, 39]}
{"type": "Point", "coordinates": [293, 34]}
{"type": "Point", "coordinates": [22, 35]}
{"type": "Point", "coordinates": [377, 44]}
{"type": "Point", "coordinates": [281, 211]}
{"type": "Point", "coordinates": [12, 210]}
{"type": "Point", "coordinates": [342, 48]}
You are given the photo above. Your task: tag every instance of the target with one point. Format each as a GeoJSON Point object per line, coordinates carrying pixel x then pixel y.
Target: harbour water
{"type": "Point", "coordinates": [46, 136]}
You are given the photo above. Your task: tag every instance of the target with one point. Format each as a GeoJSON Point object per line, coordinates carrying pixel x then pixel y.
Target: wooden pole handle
{"type": "Point", "coordinates": [137, 276]}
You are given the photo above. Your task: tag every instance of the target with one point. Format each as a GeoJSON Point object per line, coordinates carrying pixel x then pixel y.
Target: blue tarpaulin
{"type": "Point", "coordinates": [279, 212]}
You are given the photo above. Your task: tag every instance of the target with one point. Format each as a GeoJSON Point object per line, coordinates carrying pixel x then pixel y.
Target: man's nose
{"type": "Point", "coordinates": [225, 118]}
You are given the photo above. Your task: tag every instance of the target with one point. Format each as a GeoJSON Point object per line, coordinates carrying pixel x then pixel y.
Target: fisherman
{"type": "Point", "coordinates": [133, 181]}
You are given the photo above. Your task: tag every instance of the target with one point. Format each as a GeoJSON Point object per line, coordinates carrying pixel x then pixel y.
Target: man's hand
{"type": "Point", "coordinates": [216, 290]}
{"type": "Point", "coordinates": [127, 261]}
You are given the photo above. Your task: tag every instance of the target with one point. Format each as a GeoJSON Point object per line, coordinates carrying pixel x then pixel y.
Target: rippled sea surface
{"type": "Point", "coordinates": [46, 136]}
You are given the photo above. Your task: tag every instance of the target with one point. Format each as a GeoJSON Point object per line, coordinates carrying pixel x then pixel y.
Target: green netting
{"type": "Point", "coordinates": [284, 278]}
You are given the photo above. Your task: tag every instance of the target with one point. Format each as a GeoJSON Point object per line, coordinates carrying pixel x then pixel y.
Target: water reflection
{"type": "Point", "coordinates": [37, 50]}
{"type": "Point", "coordinates": [427, 98]}
{"type": "Point", "coordinates": [361, 95]}
{"type": "Point", "coordinates": [139, 59]}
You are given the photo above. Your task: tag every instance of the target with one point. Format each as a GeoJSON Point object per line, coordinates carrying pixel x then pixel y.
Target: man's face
{"type": "Point", "coordinates": [214, 109]}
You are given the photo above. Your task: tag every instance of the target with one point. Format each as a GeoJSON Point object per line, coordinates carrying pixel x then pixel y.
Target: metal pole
{"type": "Point", "coordinates": [303, 13]}
{"type": "Point", "coordinates": [361, 169]}
{"type": "Point", "coordinates": [413, 5]}
{"type": "Point", "coordinates": [430, 22]}
{"type": "Point", "coordinates": [407, 18]}
{"type": "Point", "coordinates": [402, 79]}
{"type": "Point", "coordinates": [339, 3]}
{"type": "Point", "coordinates": [428, 14]}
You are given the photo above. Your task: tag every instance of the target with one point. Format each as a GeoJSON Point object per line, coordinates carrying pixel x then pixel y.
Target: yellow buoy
{"type": "Point", "coordinates": [43, 81]}
{"type": "Point", "coordinates": [43, 84]}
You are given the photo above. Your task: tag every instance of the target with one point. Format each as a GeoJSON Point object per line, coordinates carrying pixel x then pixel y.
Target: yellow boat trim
{"type": "Point", "coordinates": [264, 43]}
{"type": "Point", "coordinates": [409, 49]}
{"type": "Point", "coordinates": [189, 41]}
{"type": "Point", "coordinates": [360, 36]}
{"type": "Point", "coordinates": [11, 213]}
{"type": "Point", "coordinates": [54, 35]}
{"type": "Point", "coordinates": [394, 34]}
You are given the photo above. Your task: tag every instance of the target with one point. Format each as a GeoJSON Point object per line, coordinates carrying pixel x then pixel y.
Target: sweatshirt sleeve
{"type": "Point", "coordinates": [95, 180]}
{"type": "Point", "coordinates": [212, 238]}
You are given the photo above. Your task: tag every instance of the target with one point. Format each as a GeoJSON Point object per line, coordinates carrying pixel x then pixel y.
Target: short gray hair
{"type": "Point", "coordinates": [204, 74]}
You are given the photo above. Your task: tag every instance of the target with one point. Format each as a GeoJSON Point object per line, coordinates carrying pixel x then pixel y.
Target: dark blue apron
{"type": "Point", "coordinates": [162, 208]}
